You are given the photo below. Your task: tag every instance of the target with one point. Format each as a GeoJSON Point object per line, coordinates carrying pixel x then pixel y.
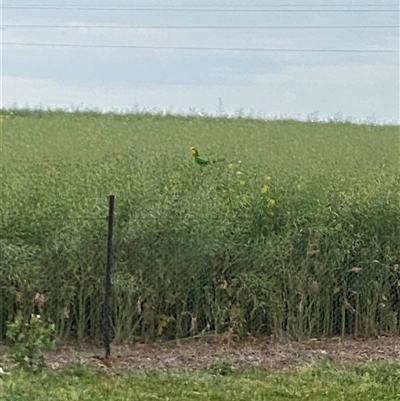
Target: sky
{"type": "Point", "coordinates": [361, 86]}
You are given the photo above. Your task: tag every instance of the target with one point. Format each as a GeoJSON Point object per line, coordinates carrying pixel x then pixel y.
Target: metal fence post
{"type": "Point", "coordinates": [107, 280]}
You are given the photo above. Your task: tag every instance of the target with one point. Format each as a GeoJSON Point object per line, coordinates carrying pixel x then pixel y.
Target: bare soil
{"type": "Point", "coordinates": [204, 352]}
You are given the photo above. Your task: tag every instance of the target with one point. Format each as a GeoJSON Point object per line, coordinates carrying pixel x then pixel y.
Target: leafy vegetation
{"type": "Point", "coordinates": [296, 232]}
{"type": "Point", "coordinates": [28, 340]}
{"type": "Point", "coordinates": [368, 382]}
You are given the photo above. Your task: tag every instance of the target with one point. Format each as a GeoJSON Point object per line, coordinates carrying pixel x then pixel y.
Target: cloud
{"type": "Point", "coordinates": [341, 75]}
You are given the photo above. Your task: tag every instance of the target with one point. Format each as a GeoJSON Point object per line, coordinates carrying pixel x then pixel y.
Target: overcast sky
{"type": "Point", "coordinates": [272, 83]}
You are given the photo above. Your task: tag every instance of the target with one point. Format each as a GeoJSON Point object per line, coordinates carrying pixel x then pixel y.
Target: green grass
{"type": "Point", "coordinates": [369, 382]}
{"type": "Point", "coordinates": [299, 235]}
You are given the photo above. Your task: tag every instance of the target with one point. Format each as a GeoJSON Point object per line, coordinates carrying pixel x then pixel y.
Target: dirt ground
{"type": "Point", "coordinates": [200, 353]}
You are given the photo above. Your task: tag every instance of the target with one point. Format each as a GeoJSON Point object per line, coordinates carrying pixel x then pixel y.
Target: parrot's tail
{"type": "Point", "coordinates": [219, 160]}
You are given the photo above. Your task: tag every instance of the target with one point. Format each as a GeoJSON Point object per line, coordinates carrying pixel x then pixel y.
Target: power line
{"type": "Point", "coordinates": [170, 9]}
{"type": "Point", "coordinates": [244, 49]}
{"type": "Point", "coordinates": [203, 27]}
{"type": "Point", "coordinates": [203, 5]}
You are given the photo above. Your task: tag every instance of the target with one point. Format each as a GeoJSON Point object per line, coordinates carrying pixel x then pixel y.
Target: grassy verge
{"type": "Point", "coordinates": [319, 382]}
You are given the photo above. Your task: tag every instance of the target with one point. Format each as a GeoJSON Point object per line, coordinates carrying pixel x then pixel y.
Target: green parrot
{"type": "Point", "coordinates": [199, 160]}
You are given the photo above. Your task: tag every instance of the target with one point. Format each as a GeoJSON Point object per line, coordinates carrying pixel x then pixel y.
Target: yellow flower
{"type": "Point", "coordinates": [264, 189]}
{"type": "Point", "coordinates": [267, 178]}
{"type": "Point", "coordinates": [231, 166]}
{"type": "Point", "coordinates": [271, 202]}
{"type": "Point", "coordinates": [239, 173]}
{"type": "Point", "coordinates": [242, 182]}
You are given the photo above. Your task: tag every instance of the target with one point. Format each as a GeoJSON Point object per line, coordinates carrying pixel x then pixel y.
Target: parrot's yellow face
{"type": "Point", "coordinates": [194, 151]}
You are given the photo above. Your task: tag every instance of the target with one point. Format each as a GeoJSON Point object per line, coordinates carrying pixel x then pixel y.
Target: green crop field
{"type": "Point", "coordinates": [296, 231]}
